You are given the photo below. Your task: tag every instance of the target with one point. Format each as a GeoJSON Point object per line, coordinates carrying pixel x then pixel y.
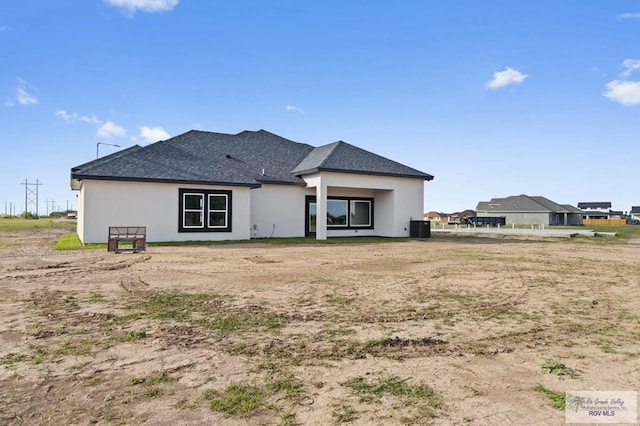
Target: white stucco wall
{"type": "Point", "coordinates": [107, 203]}
{"type": "Point", "coordinates": [269, 211]}
{"type": "Point", "coordinates": [397, 200]}
{"type": "Point", "coordinates": [80, 214]}
{"type": "Point", "coordinates": [278, 211]}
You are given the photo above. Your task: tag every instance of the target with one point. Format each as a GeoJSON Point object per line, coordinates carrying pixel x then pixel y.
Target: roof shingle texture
{"type": "Point", "coordinates": [343, 157]}
{"type": "Point", "coordinates": [524, 203]}
{"type": "Point", "coordinates": [595, 205]}
{"type": "Point", "coordinates": [247, 158]}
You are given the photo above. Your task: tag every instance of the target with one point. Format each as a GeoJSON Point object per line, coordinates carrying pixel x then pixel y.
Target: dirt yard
{"type": "Point", "coordinates": [442, 331]}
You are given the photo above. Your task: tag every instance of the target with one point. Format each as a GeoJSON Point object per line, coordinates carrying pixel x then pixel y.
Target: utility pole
{"type": "Point", "coordinates": [31, 195]}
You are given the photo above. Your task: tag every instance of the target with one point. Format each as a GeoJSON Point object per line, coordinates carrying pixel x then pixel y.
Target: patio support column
{"type": "Point", "coordinates": [321, 210]}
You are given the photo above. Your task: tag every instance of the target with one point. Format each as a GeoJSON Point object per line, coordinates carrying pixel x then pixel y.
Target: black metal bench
{"type": "Point", "coordinates": [133, 237]}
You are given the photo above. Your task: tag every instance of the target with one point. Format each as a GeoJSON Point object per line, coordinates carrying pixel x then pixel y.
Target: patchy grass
{"type": "Point", "coordinates": [95, 296]}
{"type": "Point", "coordinates": [556, 368]}
{"type": "Point", "coordinates": [153, 379]}
{"type": "Point", "coordinates": [280, 393]}
{"type": "Point", "coordinates": [557, 400]}
{"type": "Point", "coordinates": [425, 402]}
{"type": "Point", "coordinates": [208, 311]}
{"type": "Point", "coordinates": [16, 224]}
{"type": "Point", "coordinates": [39, 355]}
{"type": "Point", "coordinates": [72, 242]}
{"type": "Point", "coordinates": [270, 337]}
{"type": "Point", "coordinates": [152, 384]}
{"type": "Point", "coordinates": [127, 337]}
{"type": "Point", "coordinates": [239, 399]}
{"type": "Point", "coordinates": [12, 358]}
{"type": "Point", "coordinates": [624, 232]}
{"type": "Point", "coordinates": [344, 413]}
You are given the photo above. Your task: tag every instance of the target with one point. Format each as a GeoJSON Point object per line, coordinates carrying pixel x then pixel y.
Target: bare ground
{"type": "Point", "coordinates": [441, 331]}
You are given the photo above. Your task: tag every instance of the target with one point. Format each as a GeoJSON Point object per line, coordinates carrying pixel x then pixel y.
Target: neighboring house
{"type": "Point", "coordinates": [595, 210]}
{"type": "Point", "coordinates": [434, 216]}
{"type": "Point", "coordinates": [457, 217]}
{"type": "Point", "coordinates": [454, 218]}
{"type": "Point", "coordinates": [635, 213]}
{"type": "Point", "coordinates": [463, 215]}
{"type": "Point", "coordinates": [616, 214]}
{"type": "Point", "coordinates": [530, 210]}
{"type": "Point", "coordinates": [215, 186]}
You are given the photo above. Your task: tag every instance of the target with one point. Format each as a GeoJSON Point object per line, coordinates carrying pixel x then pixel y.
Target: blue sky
{"type": "Point", "coordinates": [494, 98]}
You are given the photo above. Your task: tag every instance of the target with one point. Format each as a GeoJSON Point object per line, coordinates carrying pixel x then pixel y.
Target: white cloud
{"type": "Point", "coordinates": [505, 78]}
{"type": "Point", "coordinates": [130, 7]}
{"type": "Point", "coordinates": [623, 92]}
{"type": "Point", "coordinates": [90, 119]}
{"type": "Point", "coordinates": [21, 95]}
{"type": "Point", "coordinates": [630, 65]}
{"type": "Point", "coordinates": [624, 16]}
{"type": "Point", "coordinates": [74, 116]}
{"type": "Point", "coordinates": [64, 115]}
{"type": "Point", "coordinates": [153, 134]}
{"type": "Point", "coordinates": [293, 108]}
{"type": "Point", "coordinates": [110, 129]}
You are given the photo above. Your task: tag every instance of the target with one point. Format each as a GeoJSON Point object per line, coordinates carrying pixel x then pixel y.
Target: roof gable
{"type": "Point", "coordinates": [346, 158]}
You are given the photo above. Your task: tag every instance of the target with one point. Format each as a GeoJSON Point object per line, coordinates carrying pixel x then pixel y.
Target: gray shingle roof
{"type": "Point", "coordinates": [635, 209]}
{"type": "Point", "coordinates": [343, 157]}
{"type": "Point", "coordinates": [595, 205]}
{"type": "Point", "coordinates": [572, 209]}
{"type": "Point", "coordinates": [246, 159]}
{"type": "Point", "coordinates": [524, 203]}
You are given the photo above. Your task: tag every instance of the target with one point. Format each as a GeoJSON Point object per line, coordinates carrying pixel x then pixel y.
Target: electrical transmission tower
{"type": "Point", "coordinates": [31, 196]}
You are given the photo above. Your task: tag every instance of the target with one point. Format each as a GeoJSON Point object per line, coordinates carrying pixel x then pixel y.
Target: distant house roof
{"type": "Point", "coordinates": [595, 205]}
{"type": "Point", "coordinates": [635, 209]}
{"type": "Point", "coordinates": [245, 159]}
{"type": "Point", "coordinates": [434, 214]}
{"type": "Point", "coordinates": [571, 208]}
{"type": "Point", "coordinates": [524, 204]}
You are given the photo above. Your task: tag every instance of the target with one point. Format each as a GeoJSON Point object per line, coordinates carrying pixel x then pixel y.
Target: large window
{"type": "Point", "coordinates": [337, 213]}
{"type": "Point", "coordinates": [204, 210]}
{"type": "Point", "coordinates": [342, 213]}
{"type": "Point", "coordinates": [360, 213]}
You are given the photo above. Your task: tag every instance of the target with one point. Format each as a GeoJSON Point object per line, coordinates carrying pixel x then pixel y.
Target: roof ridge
{"type": "Point", "coordinates": [334, 147]}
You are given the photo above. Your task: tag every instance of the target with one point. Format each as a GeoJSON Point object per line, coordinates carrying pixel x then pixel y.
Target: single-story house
{"type": "Point", "coordinates": [457, 217]}
{"type": "Point", "coordinates": [434, 216]}
{"type": "Point", "coordinates": [214, 186]}
{"type": "Point", "coordinates": [530, 210]}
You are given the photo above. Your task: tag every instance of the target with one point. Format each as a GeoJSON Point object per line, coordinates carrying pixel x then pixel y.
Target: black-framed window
{"type": "Point", "coordinates": [342, 213]}
{"type": "Point", "coordinates": [204, 210]}
{"type": "Point", "coordinates": [337, 213]}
